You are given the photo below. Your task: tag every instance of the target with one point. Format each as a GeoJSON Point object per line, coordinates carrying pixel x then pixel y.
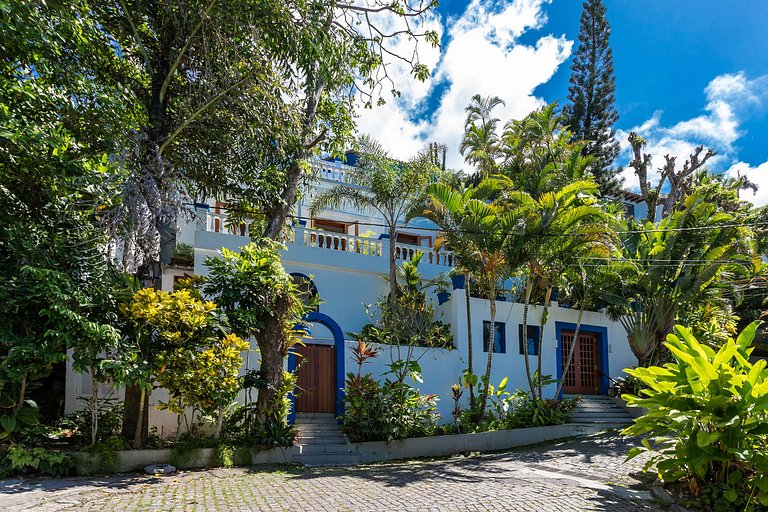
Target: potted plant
{"type": "Point", "coordinates": [457, 279]}
{"type": "Point", "coordinates": [183, 255]}
{"type": "Point", "coordinates": [443, 288]}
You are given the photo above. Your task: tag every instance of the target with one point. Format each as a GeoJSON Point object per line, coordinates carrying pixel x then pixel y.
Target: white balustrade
{"type": "Point", "coordinates": [342, 242]}
{"type": "Point", "coordinates": [329, 171]}
{"type": "Point", "coordinates": [217, 223]}
{"type": "Point", "coordinates": [407, 251]}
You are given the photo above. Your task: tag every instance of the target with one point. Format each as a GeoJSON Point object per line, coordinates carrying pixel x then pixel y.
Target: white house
{"type": "Point", "coordinates": [344, 254]}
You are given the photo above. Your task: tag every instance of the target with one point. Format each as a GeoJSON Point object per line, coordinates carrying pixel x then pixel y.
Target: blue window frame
{"type": "Point", "coordinates": [532, 340]}
{"type": "Point", "coordinates": [499, 337]}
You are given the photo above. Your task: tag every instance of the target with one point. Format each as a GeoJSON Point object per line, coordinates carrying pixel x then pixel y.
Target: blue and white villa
{"type": "Point", "coordinates": [344, 255]}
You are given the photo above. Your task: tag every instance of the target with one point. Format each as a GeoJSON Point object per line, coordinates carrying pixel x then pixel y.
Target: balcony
{"type": "Point", "coordinates": [320, 247]}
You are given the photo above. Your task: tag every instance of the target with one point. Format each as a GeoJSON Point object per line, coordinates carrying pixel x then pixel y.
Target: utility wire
{"type": "Point", "coordinates": [480, 232]}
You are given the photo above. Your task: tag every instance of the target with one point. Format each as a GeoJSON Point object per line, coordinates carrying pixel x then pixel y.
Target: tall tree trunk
{"type": "Point", "coordinates": [528, 291]}
{"type": "Point", "coordinates": [393, 263]}
{"type": "Point", "coordinates": [572, 350]}
{"type": "Point", "coordinates": [279, 215]}
{"type": "Point", "coordinates": [22, 392]}
{"type": "Point", "coordinates": [489, 362]}
{"type": "Point", "coordinates": [542, 323]}
{"type": "Point", "coordinates": [139, 420]}
{"type": "Point", "coordinates": [94, 407]}
{"type": "Point", "coordinates": [272, 357]}
{"type": "Point", "coordinates": [219, 423]}
{"type": "Point", "coordinates": [470, 363]}
{"type": "Point", "coordinates": [178, 425]}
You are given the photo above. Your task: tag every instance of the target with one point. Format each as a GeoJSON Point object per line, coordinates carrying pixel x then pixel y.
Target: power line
{"type": "Point", "coordinates": [507, 233]}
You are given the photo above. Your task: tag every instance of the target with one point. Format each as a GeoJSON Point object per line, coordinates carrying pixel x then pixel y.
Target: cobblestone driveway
{"type": "Point", "coordinates": [580, 474]}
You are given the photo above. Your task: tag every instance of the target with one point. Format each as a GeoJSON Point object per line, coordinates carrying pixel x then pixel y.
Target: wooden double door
{"type": "Point", "coordinates": [583, 374]}
{"type": "Point", "coordinates": [316, 378]}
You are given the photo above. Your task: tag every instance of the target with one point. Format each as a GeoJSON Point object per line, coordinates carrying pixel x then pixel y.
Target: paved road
{"type": "Point", "coordinates": [576, 475]}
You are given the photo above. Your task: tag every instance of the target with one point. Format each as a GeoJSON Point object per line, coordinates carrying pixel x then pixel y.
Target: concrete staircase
{"type": "Point", "coordinates": [599, 410]}
{"type": "Point", "coordinates": [320, 441]}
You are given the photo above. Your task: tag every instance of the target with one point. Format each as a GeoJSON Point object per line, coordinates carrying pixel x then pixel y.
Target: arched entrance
{"type": "Point", "coordinates": [322, 375]}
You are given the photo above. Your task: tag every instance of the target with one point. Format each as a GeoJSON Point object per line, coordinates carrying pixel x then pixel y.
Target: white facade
{"type": "Point", "coordinates": [349, 272]}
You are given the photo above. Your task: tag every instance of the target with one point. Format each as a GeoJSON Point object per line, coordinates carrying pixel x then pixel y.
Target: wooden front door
{"type": "Point", "coordinates": [583, 375]}
{"type": "Point", "coordinates": [316, 378]}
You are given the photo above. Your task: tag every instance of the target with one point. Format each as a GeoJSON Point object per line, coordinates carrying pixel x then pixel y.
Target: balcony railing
{"type": "Point", "coordinates": [342, 242]}
{"type": "Point", "coordinates": [331, 171]}
{"type": "Point", "coordinates": [217, 223]}
{"type": "Point", "coordinates": [338, 242]}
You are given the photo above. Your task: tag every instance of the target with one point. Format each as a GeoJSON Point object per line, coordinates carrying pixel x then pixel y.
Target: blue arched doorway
{"type": "Point", "coordinates": [338, 343]}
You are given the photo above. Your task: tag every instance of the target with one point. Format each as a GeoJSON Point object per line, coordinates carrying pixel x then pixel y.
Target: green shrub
{"type": "Point", "coordinates": [707, 420]}
{"type": "Point", "coordinates": [110, 418]}
{"type": "Point", "coordinates": [22, 460]}
{"type": "Point", "coordinates": [388, 410]}
{"type": "Point", "coordinates": [535, 412]}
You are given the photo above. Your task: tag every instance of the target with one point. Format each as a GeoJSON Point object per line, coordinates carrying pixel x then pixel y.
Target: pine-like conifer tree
{"type": "Point", "coordinates": [591, 113]}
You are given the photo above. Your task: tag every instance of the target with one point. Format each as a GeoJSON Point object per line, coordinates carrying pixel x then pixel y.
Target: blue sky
{"type": "Point", "coordinates": [688, 72]}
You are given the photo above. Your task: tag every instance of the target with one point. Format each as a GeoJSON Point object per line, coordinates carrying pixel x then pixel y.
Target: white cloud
{"type": "Point", "coordinates": [482, 55]}
{"type": "Point", "coordinates": [729, 100]}
{"type": "Point", "coordinates": [757, 175]}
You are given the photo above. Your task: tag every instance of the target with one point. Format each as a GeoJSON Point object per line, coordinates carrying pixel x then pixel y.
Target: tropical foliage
{"type": "Point", "coordinates": [260, 300]}
{"type": "Point", "coordinates": [182, 346]}
{"type": "Point", "coordinates": [679, 263]}
{"type": "Point", "coordinates": [706, 423]}
{"type": "Point", "coordinates": [408, 321]}
{"type": "Point", "coordinates": [389, 409]}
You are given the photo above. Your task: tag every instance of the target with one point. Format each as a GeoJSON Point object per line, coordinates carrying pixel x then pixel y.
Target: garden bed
{"type": "Point", "coordinates": [373, 451]}
{"type": "Point", "coordinates": [126, 461]}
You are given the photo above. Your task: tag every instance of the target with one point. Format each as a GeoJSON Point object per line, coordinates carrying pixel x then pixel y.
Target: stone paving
{"type": "Point", "coordinates": [575, 475]}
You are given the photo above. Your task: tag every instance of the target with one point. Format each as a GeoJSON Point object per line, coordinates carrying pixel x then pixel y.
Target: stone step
{"type": "Point", "coordinates": [318, 434]}
{"type": "Point", "coordinates": [600, 419]}
{"type": "Point", "coordinates": [605, 410]}
{"type": "Point", "coordinates": [313, 449]}
{"type": "Point", "coordinates": [618, 410]}
{"type": "Point", "coordinates": [321, 441]}
{"type": "Point", "coordinates": [328, 459]}
{"type": "Point", "coordinates": [602, 425]}
{"type": "Point", "coordinates": [602, 414]}
{"type": "Point", "coordinates": [318, 426]}
{"type": "Point", "coordinates": [315, 416]}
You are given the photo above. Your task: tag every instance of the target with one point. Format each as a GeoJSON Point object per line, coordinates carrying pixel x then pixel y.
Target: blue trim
{"type": "Point", "coordinates": [338, 341]}
{"type": "Point", "coordinates": [602, 348]}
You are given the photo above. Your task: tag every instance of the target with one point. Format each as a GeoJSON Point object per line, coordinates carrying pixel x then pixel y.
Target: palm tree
{"type": "Point", "coordinates": [559, 227]}
{"type": "Point", "coordinates": [475, 229]}
{"type": "Point", "coordinates": [538, 154]}
{"type": "Point", "coordinates": [480, 145]}
{"type": "Point", "coordinates": [380, 183]}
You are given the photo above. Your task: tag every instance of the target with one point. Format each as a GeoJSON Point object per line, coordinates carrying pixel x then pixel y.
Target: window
{"type": "Point", "coordinates": [629, 210]}
{"type": "Point", "coordinates": [533, 340]}
{"type": "Point", "coordinates": [499, 337]}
